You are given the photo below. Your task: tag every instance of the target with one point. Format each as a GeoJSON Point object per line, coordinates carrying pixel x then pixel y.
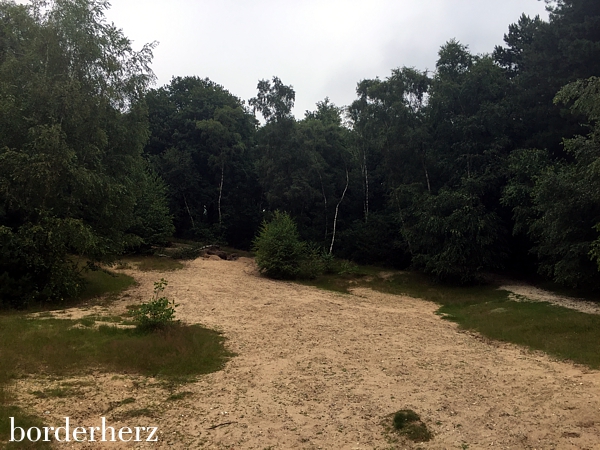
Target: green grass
{"type": "Point", "coordinates": [55, 347]}
{"type": "Point", "coordinates": [22, 420]}
{"type": "Point", "coordinates": [179, 396]}
{"type": "Point", "coordinates": [156, 264]}
{"type": "Point", "coordinates": [58, 392]}
{"type": "Point", "coordinates": [104, 282]}
{"type": "Point", "coordinates": [62, 347]}
{"type": "Point", "coordinates": [558, 331]}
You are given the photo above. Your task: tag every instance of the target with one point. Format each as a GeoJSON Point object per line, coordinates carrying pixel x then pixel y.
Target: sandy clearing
{"type": "Point", "coordinates": [320, 370]}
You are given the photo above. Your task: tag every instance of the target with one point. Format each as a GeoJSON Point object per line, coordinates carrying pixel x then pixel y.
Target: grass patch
{"type": "Point", "coordinates": [22, 420]}
{"type": "Point", "coordinates": [179, 396]}
{"type": "Point", "coordinates": [104, 282]}
{"type": "Point", "coordinates": [157, 264]}
{"type": "Point", "coordinates": [113, 405]}
{"type": "Point", "coordinates": [61, 347]}
{"type": "Point", "coordinates": [405, 425]}
{"type": "Point", "coordinates": [56, 347]}
{"type": "Point", "coordinates": [58, 392]}
{"type": "Point", "coordinates": [408, 423]}
{"type": "Point", "coordinates": [354, 276]}
{"type": "Point", "coordinates": [561, 332]}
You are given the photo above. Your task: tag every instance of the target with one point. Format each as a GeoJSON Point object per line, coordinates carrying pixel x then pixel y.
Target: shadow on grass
{"type": "Point", "coordinates": [103, 282]}
{"type": "Point", "coordinates": [561, 332]}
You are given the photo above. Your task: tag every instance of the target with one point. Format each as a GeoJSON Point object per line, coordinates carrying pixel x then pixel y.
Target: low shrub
{"type": "Point", "coordinates": [158, 313]}
{"type": "Point", "coordinates": [313, 262]}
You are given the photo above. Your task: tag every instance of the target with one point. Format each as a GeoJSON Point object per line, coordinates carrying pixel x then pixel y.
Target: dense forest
{"type": "Point", "coordinates": [489, 162]}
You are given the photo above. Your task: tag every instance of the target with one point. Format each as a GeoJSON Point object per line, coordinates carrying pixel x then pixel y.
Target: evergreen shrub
{"type": "Point", "coordinates": [279, 251]}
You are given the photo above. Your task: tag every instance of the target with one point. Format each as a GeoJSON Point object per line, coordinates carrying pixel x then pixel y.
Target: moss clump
{"type": "Point", "coordinates": [408, 423]}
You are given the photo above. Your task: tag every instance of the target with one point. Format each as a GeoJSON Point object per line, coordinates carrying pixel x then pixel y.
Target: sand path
{"type": "Point", "coordinates": [320, 370]}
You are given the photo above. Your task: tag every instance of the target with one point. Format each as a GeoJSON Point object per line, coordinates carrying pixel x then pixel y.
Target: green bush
{"type": "Point", "coordinates": [314, 262]}
{"type": "Point", "coordinates": [158, 313]}
{"type": "Point", "coordinates": [279, 251]}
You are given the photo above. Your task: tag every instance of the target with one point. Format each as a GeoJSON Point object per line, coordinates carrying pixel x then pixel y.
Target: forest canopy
{"type": "Point", "coordinates": [489, 162]}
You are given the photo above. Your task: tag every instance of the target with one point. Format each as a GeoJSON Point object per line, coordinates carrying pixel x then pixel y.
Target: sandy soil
{"type": "Point", "coordinates": [319, 370]}
{"type": "Point", "coordinates": [523, 292]}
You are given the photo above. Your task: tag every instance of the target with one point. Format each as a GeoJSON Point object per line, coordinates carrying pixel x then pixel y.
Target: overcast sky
{"type": "Point", "coordinates": [322, 48]}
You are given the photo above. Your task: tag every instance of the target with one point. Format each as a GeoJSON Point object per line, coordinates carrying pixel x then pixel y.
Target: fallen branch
{"type": "Point", "coordinates": [220, 425]}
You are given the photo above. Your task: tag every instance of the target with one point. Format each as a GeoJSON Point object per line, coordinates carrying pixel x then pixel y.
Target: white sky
{"type": "Point", "coordinates": [322, 48]}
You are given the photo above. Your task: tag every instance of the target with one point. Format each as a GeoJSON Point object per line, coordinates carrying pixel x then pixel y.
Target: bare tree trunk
{"type": "Point", "coordinates": [336, 212]}
{"type": "Point", "coordinates": [221, 191]}
{"type": "Point", "coordinates": [188, 210]}
{"type": "Point", "coordinates": [366, 173]}
{"type": "Point", "coordinates": [469, 165]}
{"type": "Point", "coordinates": [425, 168]}
{"type": "Point", "coordinates": [426, 175]}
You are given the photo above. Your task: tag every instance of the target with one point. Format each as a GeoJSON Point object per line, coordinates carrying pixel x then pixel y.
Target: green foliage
{"type": "Point", "coordinates": [279, 251]}
{"type": "Point", "coordinates": [403, 417]}
{"type": "Point", "coordinates": [153, 221]}
{"type": "Point", "coordinates": [200, 142]}
{"type": "Point", "coordinates": [274, 101]}
{"type": "Point", "coordinates": [557, 203]}
{"type": "Point", "coordinates": [328, 261]}
{"type": "Point", "coordinates": [72, 177]}
{"type": "Point", "coordinates": [158, 313]}
{"type": "Point", "coordinates": [313, 262]}
{"type": "Point", "coordinates": [454, 237]}
{"type": "Point", "coordinates": [377, 241]}
{"type": "Point", "coordinates": [187, 252]}
{"type": "Point", "coordinates": [347, 268]}
{"type": "Point", "coordinates": [34, 262]}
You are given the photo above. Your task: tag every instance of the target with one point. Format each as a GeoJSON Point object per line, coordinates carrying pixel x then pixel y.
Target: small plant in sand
{"type": "Point", "coordinates": [408, 423]}
{"type": "Point", "coordinates": [158, 313]}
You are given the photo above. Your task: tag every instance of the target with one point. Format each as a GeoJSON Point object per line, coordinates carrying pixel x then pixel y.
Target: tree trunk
{"type": "Point", "coordinates": [425, 168]}
{"type": "Point", "coordinates": [188, 210]}
{"type": "Point", "coordinates": [366, 173]}
{"type": "Point", "coordinates": [426, 175]}
{"type": "Point", "coordinates": [336, 212]}
{"type": "Point", "coordinates": [221, 191]}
